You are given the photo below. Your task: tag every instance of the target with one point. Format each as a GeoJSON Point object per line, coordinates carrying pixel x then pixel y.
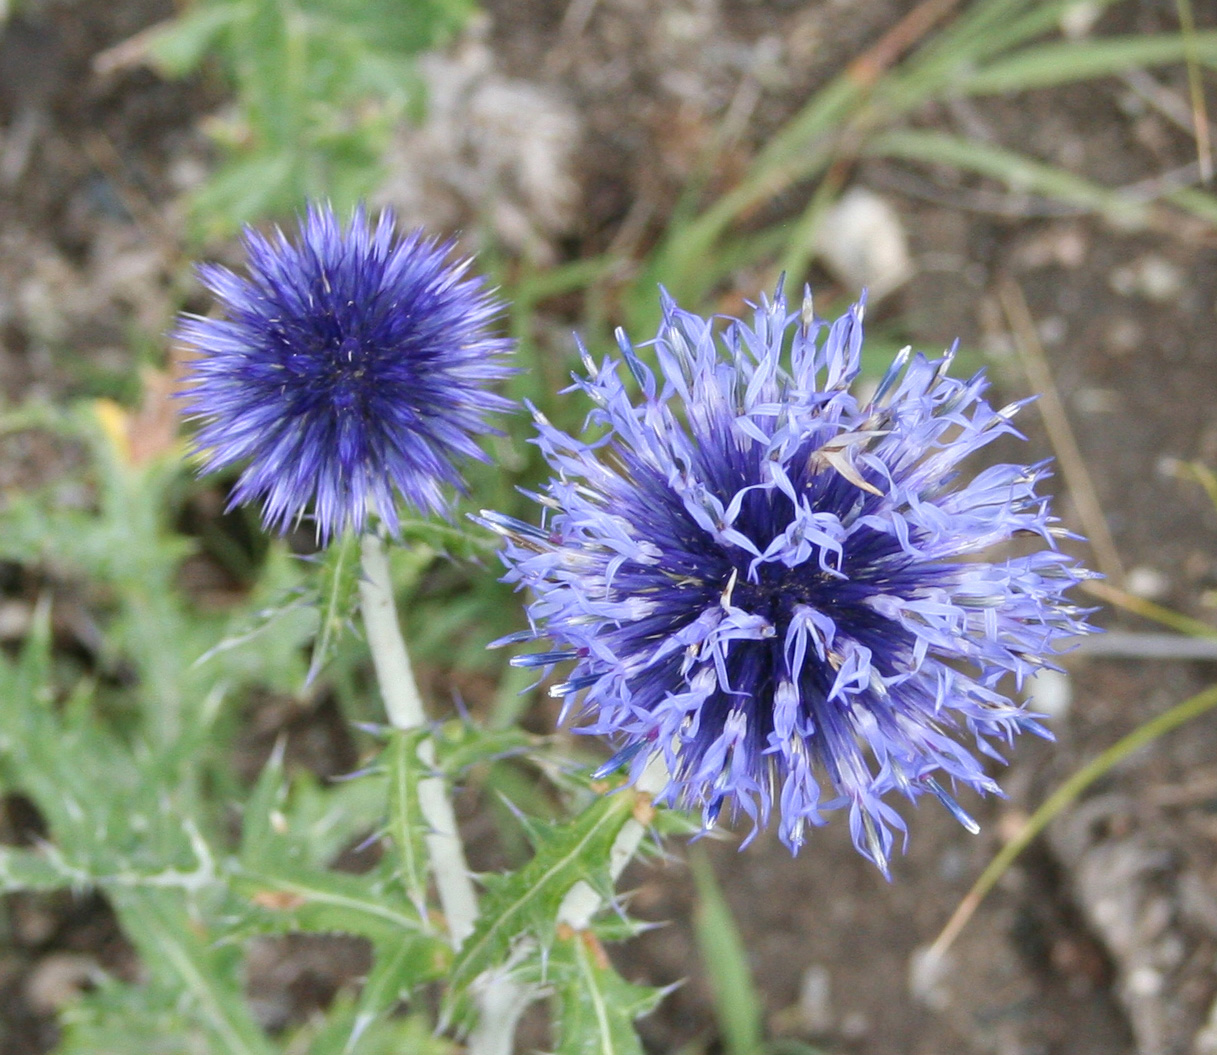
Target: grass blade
{"type": "Point", "coordinates": [736, 1003]}
{"type": "Point", "coordinates": [1065, 62]}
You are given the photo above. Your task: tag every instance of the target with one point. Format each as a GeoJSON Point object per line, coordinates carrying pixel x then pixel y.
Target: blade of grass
{"type": "Point", "coordinates": [1064, 62]}
{"type": "Point", "coordinates": [1200, 118]}
{"type": "Point", "coordinates": [1059, 800]}
{"type": "Point", "coordinates": [1148, 609]}
{"type": "Point", "coordinates": [736, 1003]}
{"type": "Point", "coordinates": [1016, 171]}
{"type": "Point", "coordinates": [1060, 433]}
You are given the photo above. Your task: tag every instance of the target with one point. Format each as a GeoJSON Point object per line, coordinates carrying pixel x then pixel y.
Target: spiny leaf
{"type": "Point", "coordinates": [261, 841]}
{"type": "Point", "coordinates": [400, 966]}
{"type": "Point", "coordinates": [299, 898]}
{"type": "Point", "coordinates": [597, 1008]}
{"type": "Point", "coordinates": [294, 599]}
{"type": "Point", "coordinates": [446, 538]}
{"type": "Point", "coordinates": [158, 924]}
{"type": "Point", "coordinates": [396, 1035]}
{"type": "Point", "coordinates": [527, 901]}
{"type": "Point", "coordinates": [407, 826]}
{"type": "Point", "coordinates": [458, 748]}
{"type": "Point", "coordinates": [22, 869]}
{"type": "Point", "coordinates": [105, 1019]}
{"type": "Point", "coordinates": [338, 597]}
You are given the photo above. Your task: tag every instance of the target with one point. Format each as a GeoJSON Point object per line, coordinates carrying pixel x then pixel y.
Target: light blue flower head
{"type": "Point", "coordinates": [785, 587]}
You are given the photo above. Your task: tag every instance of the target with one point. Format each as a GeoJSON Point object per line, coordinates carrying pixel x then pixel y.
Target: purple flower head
{"type": "Point", "coordinates": [349, 367]}
{"type": "Point", "coordinates": [784, 586]}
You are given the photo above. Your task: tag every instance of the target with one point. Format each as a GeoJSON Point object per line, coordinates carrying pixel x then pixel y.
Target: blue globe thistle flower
{"type": "Point", "coordinates": [350, 367]}
{"type": "Point", "coordinates": [782, 585]}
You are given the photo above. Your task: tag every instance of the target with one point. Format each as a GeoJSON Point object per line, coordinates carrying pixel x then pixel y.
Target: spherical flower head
{"type": "Point", "coordinates": [350, 367]}
{"type": "Point", "coordinates": [783, 586]}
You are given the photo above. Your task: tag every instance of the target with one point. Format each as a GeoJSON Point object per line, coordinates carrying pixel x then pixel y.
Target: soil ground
{"type": "Point", "coordinates": [1103, 939]}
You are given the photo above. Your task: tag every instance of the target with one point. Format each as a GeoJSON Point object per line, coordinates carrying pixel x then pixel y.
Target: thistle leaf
{"type": "Point", "coordinates": [400, 966]}
{"type": "Point", "coordinates": [527, 901]}
{"type": "Point", "coordinates": [407, 827]}
{"type": "Point", "coordinates": [302, 899]}
{"type": "Point", "coordinates": [22, 869]}
{"type": "Point", "coordinates": [596, 1007]}
{"type": "Point", "coordinates": [167, 939]}
{"type": "Point", "coordinates": [337, 597]}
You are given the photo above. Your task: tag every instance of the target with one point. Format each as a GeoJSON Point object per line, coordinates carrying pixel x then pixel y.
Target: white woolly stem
{"type": "Point", "coordinates": [404, 707]}
{"type": "Point", "coordinates": [501, 1000]}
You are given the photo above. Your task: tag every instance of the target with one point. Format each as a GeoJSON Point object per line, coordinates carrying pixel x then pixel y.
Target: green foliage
{"type": "Point", "coordinates": [319, 85]}
{"type": "Point", "coordinates": [338, 597]}
{"type": "Point", "coordinates": [597, 1008]}
{"type": "Point", "coordinates": [526, 902]}
{"type": "Point", "coordinates": [407, 827]}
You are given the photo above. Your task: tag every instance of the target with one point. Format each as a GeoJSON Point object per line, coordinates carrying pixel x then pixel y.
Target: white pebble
{"type": "Point", "coordinates": [862, 241]}
{"type": "Point", "coordinates": [1049, 692]}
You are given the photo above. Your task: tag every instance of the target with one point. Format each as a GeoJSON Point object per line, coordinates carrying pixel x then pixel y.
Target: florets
{"type": "Point", "coordinates": [351, 367]}
{"type": "Point", "coordinates": [782, 585]}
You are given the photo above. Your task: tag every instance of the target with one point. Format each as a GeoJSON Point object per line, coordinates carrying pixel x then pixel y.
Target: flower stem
{"type": "Point", "coordinates": [404, 707]}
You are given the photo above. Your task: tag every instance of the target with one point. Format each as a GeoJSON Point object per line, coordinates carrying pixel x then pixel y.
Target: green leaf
{"type": "Point", "coordinates": [407, 826]}
{"type": "Point", "coordinates": [396, 1035]}
{"type": "Point", "coordinates": [178, 47]}
{"type": "Point", "coordinates": [462, 745]}
{"type": "Point", "coordinates": [172, 948]}
{"type": "Point", "coordinates": [448, 539]}
{"type": "Point", "coordinates": [597, 1008]}
{"type": "Point", "coordinates": [527, 901]}
{"type": "Point", "coordinates": [303, 899]}
{"type": "Point", "coordinates": [338, 598]}
{"type": "Point", "coordinates": [115, 1017]}
{"type": "Point", "coordinates": [253, 626]}
{"type": "Point", "coordinates": [22, 869]}
{"type": "Point", "coordinates": [243, 189]}
{"type": "Point", "coordinates": [261, 818]}
{"type": "Point", "coordinates": [400, 967]}
{"type": "Point", "coordinates": [736, 1003]}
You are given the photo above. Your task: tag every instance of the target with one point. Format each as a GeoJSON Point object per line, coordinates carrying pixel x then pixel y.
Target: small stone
{"type": "Point", "coordinates": [1097, 400]}
{"type": "Point", "coordinates": [1052, 330]}
{"type": "Point", "coordinates": [1153, 278]}
{"type": "Point", "coordinates": [862, 241]}
{"type": "Point", "coordinates": [1078, 19]}
{"type": "Point", "coordinates": [1147, 582]}
{"type": "Point", "coordinates": [1050, 693]}
{"type": "Point", "coordinates": [1123, 336]}
{"type": "Point", "coordinates": [927, 975]}
{"type": "Point", "coordinates": [815, 1011]}
{"type": "Point", "coordinates": [1144, 981]}
{"type": "Point", "coordinates": [854, 1026]}
{"type": "Point", "coordinates": [15, 617]}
